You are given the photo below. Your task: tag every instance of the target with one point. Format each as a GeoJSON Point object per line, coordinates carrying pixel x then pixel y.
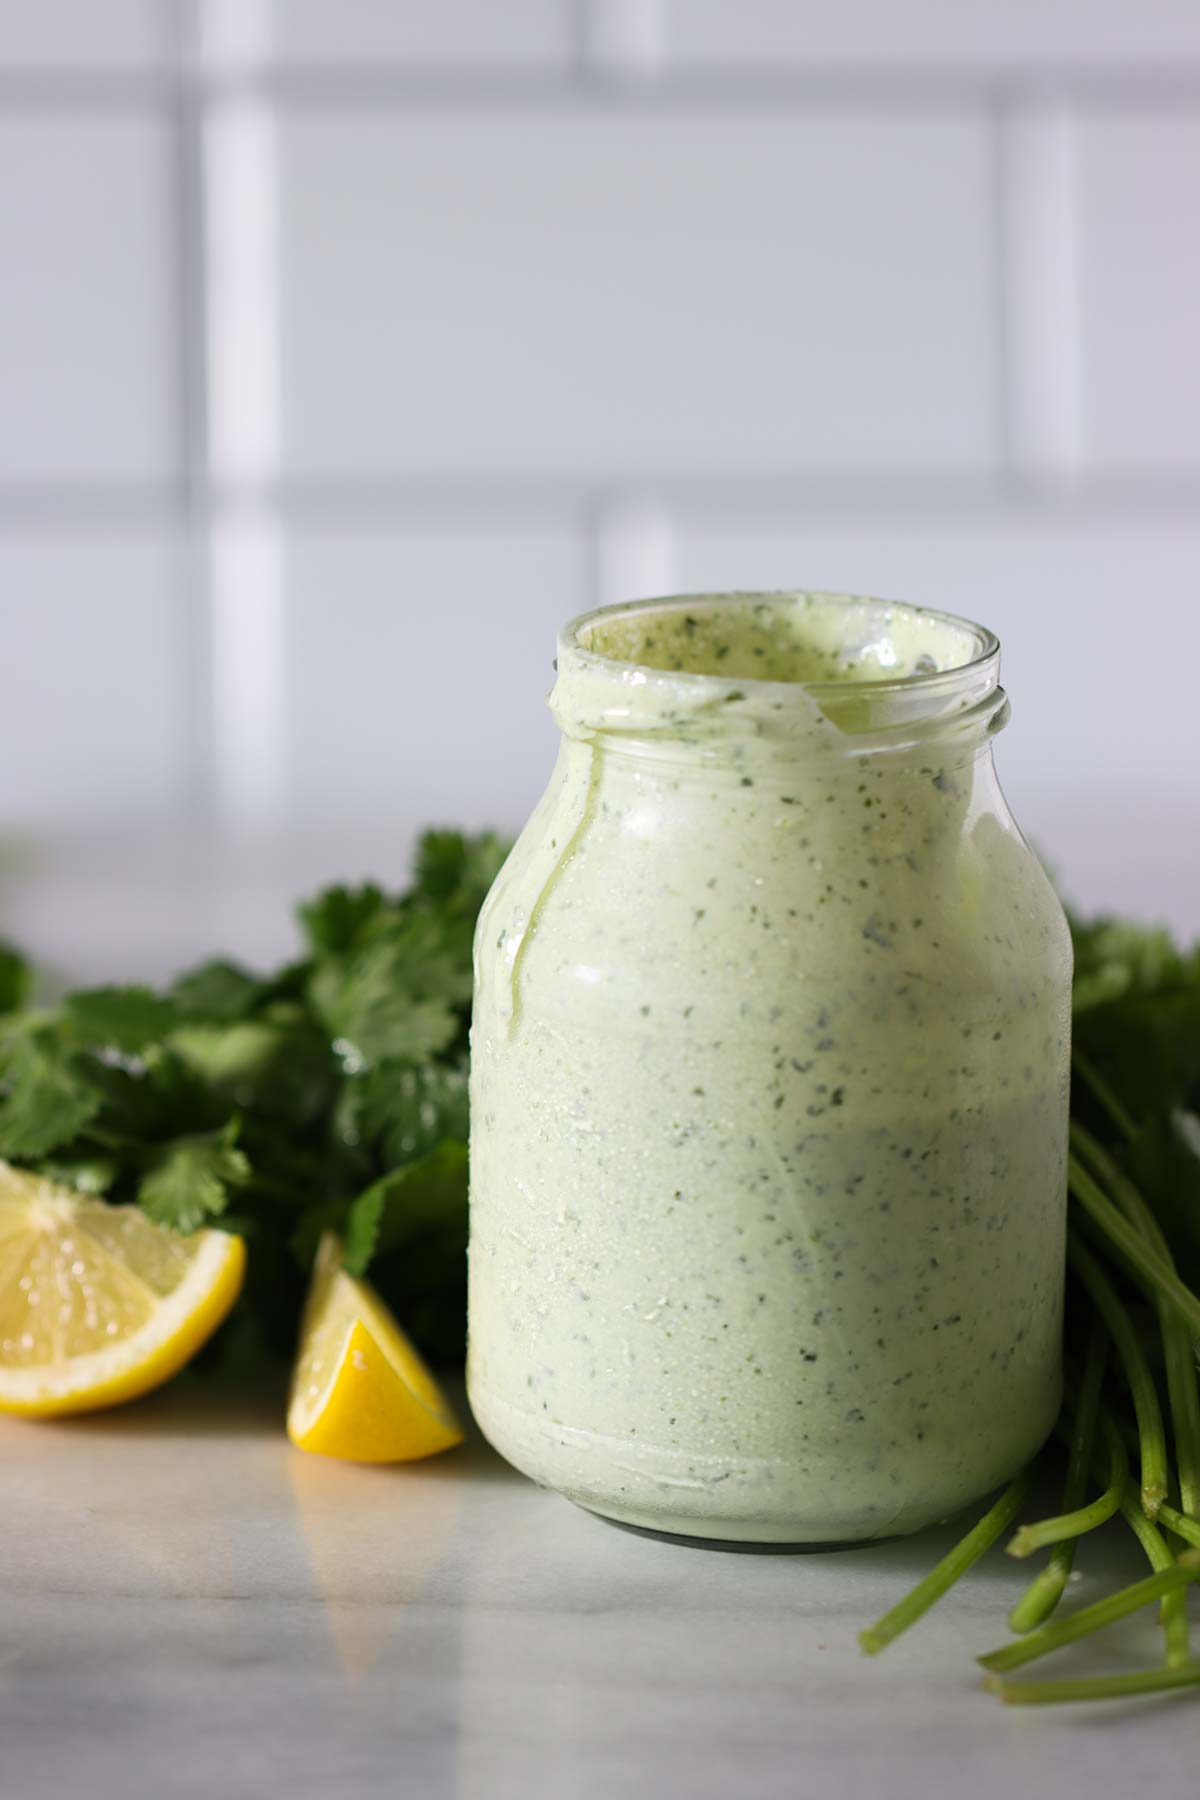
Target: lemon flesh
{"type": "Point", "coordinates": [361, 1390]}
{"type": "Point", "coordinates": [97, 1303]}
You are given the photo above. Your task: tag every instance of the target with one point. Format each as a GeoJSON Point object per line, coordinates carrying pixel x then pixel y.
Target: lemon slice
{"type": "Point", "coordinates": [360, 1389]}
{"type": "Point", "coordinates": [97, 1303]}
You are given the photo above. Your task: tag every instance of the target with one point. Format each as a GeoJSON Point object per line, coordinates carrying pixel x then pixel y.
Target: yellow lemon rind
{"type": "Point", "coordinates": [132, 1366]}
{"type": "Point", "coordinates": [367, 1410]}
{"type": "Point", "coordinates": [368, 1413]}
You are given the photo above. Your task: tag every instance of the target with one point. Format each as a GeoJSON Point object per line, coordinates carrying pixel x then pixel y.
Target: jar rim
{"type": "Point", "coordinates": [984, 660]}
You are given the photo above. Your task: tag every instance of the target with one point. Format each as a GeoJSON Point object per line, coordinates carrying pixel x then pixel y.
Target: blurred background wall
{"type": "Point", "coordinates": [348, 346]}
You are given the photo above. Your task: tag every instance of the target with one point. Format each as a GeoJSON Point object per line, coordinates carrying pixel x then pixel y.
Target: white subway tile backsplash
{"type": "Point", "coordinates": [1080, 33]}
{"type": "Point", "coordinates": [423, 32]}
{"type": "Point", "coordinates": [1040, 298]}
{"type": "Point", "coordinates": [84, 34]}
{"type": "Point", "coordinates": [95, 723]}
{"type": "Point", "coordinates": [614, 291]}
{"type": "Point", "coordinates": [417, 664]}
{"type": "Point", "coordinates": [1138, 234]}
{"type": "Point", "coordinates": [88, 341]}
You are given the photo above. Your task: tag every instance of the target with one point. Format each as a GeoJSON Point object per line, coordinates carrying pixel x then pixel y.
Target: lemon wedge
{"type": "Point", "coordinates": [360, 1389]}
{"type": "Point", "coordinates": [97, 1303]}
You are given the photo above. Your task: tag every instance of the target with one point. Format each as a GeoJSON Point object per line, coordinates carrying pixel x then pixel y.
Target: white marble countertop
{"type": "Point", "coordinates": [192, 1608]}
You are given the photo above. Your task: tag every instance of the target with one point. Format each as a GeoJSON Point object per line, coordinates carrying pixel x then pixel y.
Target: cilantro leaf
{"type": "Point", "coordinates": [428, 1193]}
{"type": "Point", "coordinates": [454, 869]}
{"type": "Point", "coordinates": [125, 1018]}
{"type": "Point", "coordinates": [279, 1066]}
{"type": "Point", "coordinates": [403, 1109]}
{"type": "Point", "coordinates": [156, 1098]}
{"type": "Point", "coordinates": [47, 1098]}
{"type": "Point", "coordinates": [335, 919]}
{"type": "Point", "coordinates": [1117, 957]}
{"type": "Point", "coordinates": [219, 991]}
{"type": "Point", "coordinates": [397, 996]}
{"type": "Point", "coordinates": [189, 1180]}
{"type": "Point", "coordinates": [229, 1056]}
{"type": "Point", "coordinates": [15, 978]}
{"type": "Point", "coordinates": [1146, 1046]}
{"type": "Point", "coordinates": [387, 1024]}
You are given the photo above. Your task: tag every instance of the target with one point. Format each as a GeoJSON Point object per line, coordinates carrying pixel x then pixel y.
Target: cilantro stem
{"type": "Point", "coordinates": [1093, 1687]}
{"type": "Point", "coordinates": [956, 1562]}
{"type": "Point", "coordinates": [1074, 1519]}
{"type": "Point", "coordinates": [1158, 1551]}
{"type": "Point", "coordinates": [1183, 1390]}
{"type": "Point", "coordinates": [1048, 1585]}
{"type": "Point", "coordinates": [1094, 1618]}
{"type": "Point", "coordinates": [1182, 1524]}
{"type": "Point", "coordinates": [1173, 1616]}
{"type": "Point", "coordinates": [1115, 1108]}
{"type": "Point", "coordinates": [1072, 1524]}
{"type": "Point", "coordinates": [1173, 1612]}
{"type": "Point", "coordinates": [1045, 1590]}
{"type": "Point", "coordinates": [1151, 1433]}
{"type": "Point", "coordinates": [1183, 1387]}
{"type": "Point", "coordinates": [1151, 1271]}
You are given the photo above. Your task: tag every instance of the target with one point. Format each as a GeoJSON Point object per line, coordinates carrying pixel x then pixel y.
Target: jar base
{"type": "Point", "coordinates": [740, 1546]}
{"type": "Point", "coordinates": [673, 1494]}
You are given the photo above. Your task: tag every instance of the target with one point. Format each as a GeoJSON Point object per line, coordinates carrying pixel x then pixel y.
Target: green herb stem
{"type": "Point", "coordinates": [1048, 1586]}
{"type": "Point", "coordinates": [1093, 1687]}
{"type": "Point", "coordinates": [1075, 1520]}
{"type": "Point", "coordinates": [1173, 1616]}
{"type": "Point", "coordinates": [1151, 1272]}
{"type": "Point", "coordinates": [1182, 1524]}
{"type": "Point", "coordinates": [1173, 1611]}
{"type": "Point", "coordinates": [1158, 1552]}
{"type": "Point", "coordinates": [1116, 1110]}
{"type": "Point", "coordinates": [1179, 1357]}
{"type": "Point", "coordinates": [1151, 1433]}
{"type": "Point", "coordinates": [1068, 1526]}
{"type": "Point", "coordinates": [1184, 1399]}
{"type": "Point", "coordinates": [1045, 1590]}
{"type": "Point", "coordinates": [1094, 1618]}
{"type": "Point", "coordinates": [1151, 1539]}
{"type": "Point", "coordinates": [955, 1563]}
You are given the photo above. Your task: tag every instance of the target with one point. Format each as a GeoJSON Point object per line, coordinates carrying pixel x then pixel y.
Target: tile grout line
{"type": "Point", "coordinates": [240, 197]}
{"type": "Point", "coordinates": [493, 498]}
{"type": "Point", "coordinates": [190, 276]}
{"type": "Point", "coordinates": [1006, 460]}
{"type": "Point", "coordinates": [588, 80]}
{"type": "Point", "coordinates": [1037, 212]}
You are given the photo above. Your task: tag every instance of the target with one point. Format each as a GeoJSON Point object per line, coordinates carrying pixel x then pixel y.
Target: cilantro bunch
{"type": "Point", "coordinates": [331, 1093]}
{"type": "Point", "coordinates": [1131, 1415]}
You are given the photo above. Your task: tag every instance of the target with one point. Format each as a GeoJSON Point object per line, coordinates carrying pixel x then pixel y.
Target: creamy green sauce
{"type": "Point", "coordinates": [801, 638]}
{"type": "Point", "coordinates": [769, 1082]}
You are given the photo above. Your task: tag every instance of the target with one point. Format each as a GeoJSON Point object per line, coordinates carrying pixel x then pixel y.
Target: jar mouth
{"type": "Point", "coordinates": [826, 644]}
{"type": "Point", "coordinates": [806, 670]}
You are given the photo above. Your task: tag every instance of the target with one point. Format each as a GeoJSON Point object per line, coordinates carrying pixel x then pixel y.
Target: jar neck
{"type": "Point", "coordinates": [842, 679]}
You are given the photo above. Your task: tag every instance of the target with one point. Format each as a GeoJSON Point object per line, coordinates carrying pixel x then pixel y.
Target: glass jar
{"type": "Point", "coordinates": [769, 1081]}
